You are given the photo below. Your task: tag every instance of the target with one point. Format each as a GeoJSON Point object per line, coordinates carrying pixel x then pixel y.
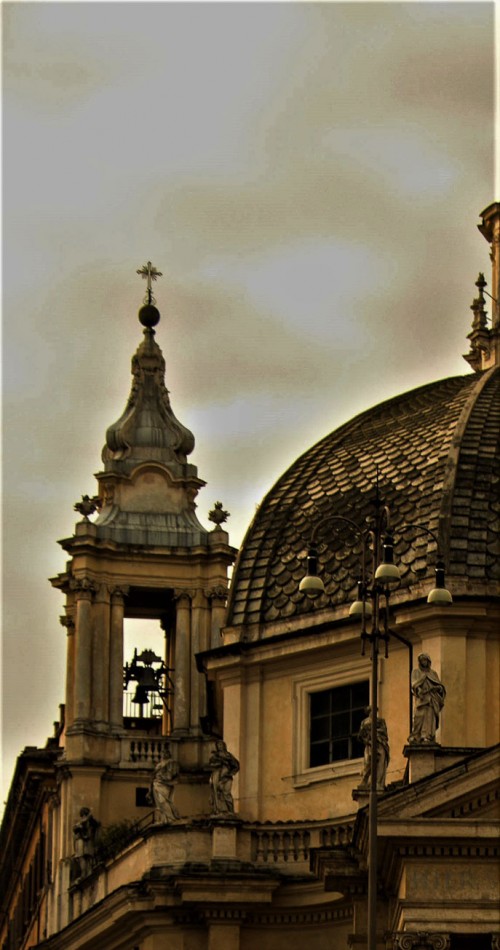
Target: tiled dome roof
{"type": "Point", "coordinates": [437, 452]}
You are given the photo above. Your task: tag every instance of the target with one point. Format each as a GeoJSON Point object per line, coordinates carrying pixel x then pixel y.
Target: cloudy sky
{"type": "Point", "coordinates": [308, 178]}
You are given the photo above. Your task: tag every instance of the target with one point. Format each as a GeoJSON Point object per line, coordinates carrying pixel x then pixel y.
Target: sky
{"type": "Point", "coordinates": [307, 176]}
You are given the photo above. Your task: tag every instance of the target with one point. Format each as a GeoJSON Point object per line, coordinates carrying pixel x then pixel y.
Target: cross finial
{"type": "Point", "coordinates": [148, 272]}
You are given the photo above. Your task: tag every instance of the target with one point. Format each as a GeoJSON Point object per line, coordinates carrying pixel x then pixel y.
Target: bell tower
{"type": "Point", "coordinates": [145, 555]}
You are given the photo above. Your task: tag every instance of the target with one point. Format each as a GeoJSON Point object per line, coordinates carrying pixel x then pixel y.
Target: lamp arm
{"type": "Point", "coordinates": [422, 527]}
{"type": "Point", "coordinates": [329, 518]}
{"type": "Point", "coordinates": [364, 535]}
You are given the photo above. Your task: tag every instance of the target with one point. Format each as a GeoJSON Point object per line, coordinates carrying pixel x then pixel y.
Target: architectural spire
{"type": "Point", "coordinates": [490, 229]}
{"type": "Point", "coordinates": [148, 430]}
{"type": "Point", "coordinates": [480, 334]}
{"type": "Point", "coordinates": [148, 445]}
{"type": "Point", "coordinates": [485, 341]}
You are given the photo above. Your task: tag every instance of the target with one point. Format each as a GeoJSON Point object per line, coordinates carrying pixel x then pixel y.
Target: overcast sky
{"type": "Point", "coordinates": [308, 178]}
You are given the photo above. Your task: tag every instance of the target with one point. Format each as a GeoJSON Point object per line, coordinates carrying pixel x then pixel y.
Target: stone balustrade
{"type": "Point", "coordinates": [290, 842]}
{"type": "Point", "coordinates": [142, 751]}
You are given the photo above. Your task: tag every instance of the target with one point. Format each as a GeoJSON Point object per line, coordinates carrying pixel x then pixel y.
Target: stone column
{"type": "Point", "coordinates": [100, 657]}
{"type": "Point", "coordinates": [84, 591]}
{"type": "Point", "coordinates": [69, 711]}
{"type": "Point", "coordinates": [218, 599]}
{"type": "Point", "coordinates": [199, 638]}
{"type": "Point", "coordinates": [116, 658]}
{"type": "Point", "coordinates": [182, 676]}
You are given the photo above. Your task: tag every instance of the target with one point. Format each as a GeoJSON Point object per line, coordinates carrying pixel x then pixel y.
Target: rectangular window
{"type": "Point", "coordinates": [335, 718]}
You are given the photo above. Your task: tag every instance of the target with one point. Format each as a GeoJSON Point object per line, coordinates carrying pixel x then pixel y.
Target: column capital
{"type": "Point", "coordinates": [67, 622]}
{"type": "Point", "coordinates": [188, 592]}
{"type": "Point", "coordinates": [217, 593]}
{"type": "Point", "coordinates": [118, 593]}
{"type": "Point", "coordinates": [421, 940]}
{"type": "Point", "coordinates": [84, 587]}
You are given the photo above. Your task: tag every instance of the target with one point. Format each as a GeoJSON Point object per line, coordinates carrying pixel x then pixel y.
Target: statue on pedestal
{"type": "Point", "coordinates": [429, 695]}
{"type": "Point", "coordinates": [84, 844]}
{"type": "Point", "coordinates": [163, 787]}
{"type": "Point", "coordinates": [224, 767]}
{"type": "Point", "coordinates": [365, 736]}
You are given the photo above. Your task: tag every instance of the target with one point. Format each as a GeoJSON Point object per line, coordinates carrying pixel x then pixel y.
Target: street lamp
{"type": "Point", "coordinates": [378, 580]}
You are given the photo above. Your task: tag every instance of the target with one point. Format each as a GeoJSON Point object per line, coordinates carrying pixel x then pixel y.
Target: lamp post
{"type": "Point", "coordinates": [377, 581]}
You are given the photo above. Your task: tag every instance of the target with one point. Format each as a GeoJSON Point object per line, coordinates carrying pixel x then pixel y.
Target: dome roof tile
{"type": "Point", "coordinates": [435, 449]}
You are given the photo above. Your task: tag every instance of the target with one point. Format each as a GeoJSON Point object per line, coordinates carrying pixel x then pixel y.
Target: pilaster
{"type": "Point", "coordinates": [117, 600]}
{"type": "Point", "coordinates": [84, 590]}
{"type": "Point", "coordinates": [182, 680]}
{"type": "Point", "coordinates": [68, 622]}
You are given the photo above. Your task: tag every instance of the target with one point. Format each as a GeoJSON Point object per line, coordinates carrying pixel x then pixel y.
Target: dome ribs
{"type": "Point", "coordinates": [424, 445]}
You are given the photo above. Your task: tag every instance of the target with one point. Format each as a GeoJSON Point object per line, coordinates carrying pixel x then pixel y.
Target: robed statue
{"type": "Point", "coordinates": [85, 832]}
{"type": "Point", "coordinates": [428, 698]}
{"type": "Point", "coordinates": [224, 767]}
{"type": "Point", "coordinates": [365, 736]}
{"type": "Point", "coordinates": [162, 789]}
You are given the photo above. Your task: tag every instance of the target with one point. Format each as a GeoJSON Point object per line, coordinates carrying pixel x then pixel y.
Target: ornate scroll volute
{"type": "Point", "coordinates": [84, 587]}
{"type": "Point", "coordinates": [218, 595]}
{"type": "Point", "coordinates": [421, 940]}
{"type": "Point", "coordinates": [67, 620]}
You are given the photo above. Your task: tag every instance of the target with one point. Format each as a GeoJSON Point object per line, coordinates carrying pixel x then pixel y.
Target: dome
{"type": "Point", "coordinates": [435, 454]}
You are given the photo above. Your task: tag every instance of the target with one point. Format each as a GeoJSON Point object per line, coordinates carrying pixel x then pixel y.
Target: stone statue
{"type": "Point", "coordinates": [163, 787]}
{"type": "Point", "coordinates": [224, 766]}
{"type": "Point", "coordinates": [429, 695]}
{"type": "Point", "coordinates": [84, 843]}
{"type": "Point", "coordinates": [365, 736]}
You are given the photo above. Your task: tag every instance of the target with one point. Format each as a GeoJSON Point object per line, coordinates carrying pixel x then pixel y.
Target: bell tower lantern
{"type": "Point", "coordinates": [145, 555]}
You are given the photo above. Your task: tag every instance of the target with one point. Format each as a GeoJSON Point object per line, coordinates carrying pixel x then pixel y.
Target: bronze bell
{"type": "Point", "coordinates": [148, 678]}
{"type": "Point", "coordinates": [141, 695]}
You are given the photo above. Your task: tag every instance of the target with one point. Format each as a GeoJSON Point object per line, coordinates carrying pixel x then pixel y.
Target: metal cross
{"type": "Point", "coordinates": [149, 272]}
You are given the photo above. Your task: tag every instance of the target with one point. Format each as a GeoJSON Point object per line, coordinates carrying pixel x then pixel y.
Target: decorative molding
{"type": "Point", "coordinates": [226, 915]}
{"type": "Point", "coordinates": [67, 622]}
{"type": "Point", "coordinates": [475, 804]}
{"type": "Point", "coordinates": [118, 593]}
{"type": "Point", "coordinates": [84, 587]}
{"type": "Point", "coordinates": [188, 592]}
{"type": "Point", "coordinates": [438, 849]}
{"type": "Point", "coordinates": [217, 593]}
{"type": "Point", "coordinates": [421, 941]}
{"type": "Point", "coordinates": [320, 915]}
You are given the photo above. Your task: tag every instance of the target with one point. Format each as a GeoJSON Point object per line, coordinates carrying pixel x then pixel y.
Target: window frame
{"type": "Point", "coordinates": [345, 673]}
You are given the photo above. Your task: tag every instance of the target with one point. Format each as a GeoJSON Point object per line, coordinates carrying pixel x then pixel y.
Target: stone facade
{"type": "Point", "coordinates": [256, 833]}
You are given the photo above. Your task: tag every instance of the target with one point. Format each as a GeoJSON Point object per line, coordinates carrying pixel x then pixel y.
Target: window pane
{"type": "Point", "coordinates": [341, 697]}
{"type": "Point", "coordinates": [335, 718]}
{"type": "Point", "coordinates": [320, 703]}
{"type": "Point", "coordinates": [359, 695]}
{"type": "Point", "coordinates": [320, 754]}
{"type": "Point", "coordinates": [320, 728]}
{"type": "Point", "coordinates": [357, 718]}
{"type": "Point", "coordinates": [340, 750]}
{"type": "Point", "coordinates": [340, 725]}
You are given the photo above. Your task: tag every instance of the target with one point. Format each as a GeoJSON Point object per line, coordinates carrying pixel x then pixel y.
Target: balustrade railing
{"type": "Point", "coordinates": [290, 843]}
{"type": "Point", "coordinates": [143, 750]}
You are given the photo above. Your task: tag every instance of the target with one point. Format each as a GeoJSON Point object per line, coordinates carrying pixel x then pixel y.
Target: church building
{"type": "Point", "coordinates": [312, 758]}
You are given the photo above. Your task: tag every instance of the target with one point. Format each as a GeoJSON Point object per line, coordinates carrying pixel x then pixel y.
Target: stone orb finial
{"type": "Point", "coordinates": [149, 315]}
